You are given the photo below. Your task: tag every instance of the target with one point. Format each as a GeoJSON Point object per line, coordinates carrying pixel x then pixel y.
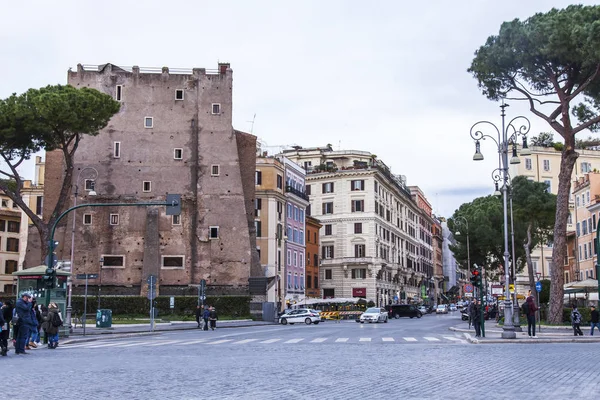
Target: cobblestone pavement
{"type": "Point", "coordinates": [185, 365]}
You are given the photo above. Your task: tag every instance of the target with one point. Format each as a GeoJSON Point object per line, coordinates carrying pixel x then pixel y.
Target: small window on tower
{"type": "Point", "coordinates": [147, 186]}
{"type": "Point", "coordinates": [179, 94]}
{"type": "Point", "coordinates": [119, 94]}
{"type": "Point", "coordinates": [216, 108]}
{"type": "Point", "coordinates": [148, 122]}
{"type": "Point", "coordinates": [178, 154]}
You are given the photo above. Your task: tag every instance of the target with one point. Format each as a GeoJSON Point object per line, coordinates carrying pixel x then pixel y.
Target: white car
{"type": "Point", "coordinates": [374, 314]}
{"type": "Point", "coordinates": [423, 310]}
{"type": "Point", "coordinates": [300, 315]}
{"type": "Point", "coordinates": [441, 309]}
{"type": "Point", "coordinates": [453, 307]}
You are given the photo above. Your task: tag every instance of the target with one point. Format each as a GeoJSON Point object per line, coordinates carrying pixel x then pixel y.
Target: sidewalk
{"type": "Point", "coordinates": [127, 330]}
{"type": "Point", "coordinates": [547, 334]}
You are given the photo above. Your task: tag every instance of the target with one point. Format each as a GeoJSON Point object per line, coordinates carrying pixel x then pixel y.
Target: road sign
{"type": "Point", "coordinates": [172, 302]}
{"type": "Point", "coordinates": [538, 286]}
{"type": "Point", "coordinates": [202, 297]}
{"type": "Point", "coordinates": [151, 279]}
{"type": "Point", "coordinates": [468, 288]}
{"type": "Point", "coordinates": [511, 288]}
{"type": "Point", "coordinates": [88, 276]}
{"type": "Point", "coordinates": [468, 294]}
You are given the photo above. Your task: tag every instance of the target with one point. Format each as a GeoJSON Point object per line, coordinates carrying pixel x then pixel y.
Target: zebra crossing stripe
{"type": "Point", "coordinates": [453, 338]}
{"type": "Point", "coordinates": [221, 341]}
{"type": "Point", "coordinates": [245, 341]}
{"type": "Point", "coordinates": [160, 343]}
{"type": "Point", "coordinates": [191, 342]}
{"type": "Point", "coordinates": [410, 339]}
{"type": "Point", "coordinates": [97, 346]}
{"type": "Point", "coordinates": [388, 339]}
{"type": "Point", "coordinates": [364, 339]}
{"type": "Point", "coordinates": [318, 340]}
{"type": "Point", "coordinates": [270, 341]}
{"type": "Point", "coordinates": [431, 339]}
{"type": "Point", "coordinates": [341, 340]}
{"type": "Point", "coordinates": [294, 340]}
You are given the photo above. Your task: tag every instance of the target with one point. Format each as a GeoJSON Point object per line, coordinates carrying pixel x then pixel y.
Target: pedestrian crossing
{"type": "Point", "coordinates": [154, 342]}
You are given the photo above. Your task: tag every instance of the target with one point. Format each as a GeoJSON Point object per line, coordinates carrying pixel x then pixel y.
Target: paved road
{"type": "Point", "coordinates": [308, 362]}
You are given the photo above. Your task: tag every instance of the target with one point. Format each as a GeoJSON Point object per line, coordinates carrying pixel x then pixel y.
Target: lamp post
{"type": "Point", "coordinates": [503, 140]}
{"type": "Point", "coordinates": [69, 309]}
{"type": "Point", "coordinates": [516, 319]}
{"type": "Point", "coordinates": [466, 224]}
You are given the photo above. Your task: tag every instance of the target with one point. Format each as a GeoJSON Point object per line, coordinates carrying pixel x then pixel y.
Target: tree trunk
{"type": "Point", "coordinates": [559, 251]}
{"type": "Point", "coordinates": [527, 246]}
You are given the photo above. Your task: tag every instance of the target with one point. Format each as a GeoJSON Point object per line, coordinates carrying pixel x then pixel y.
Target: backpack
{"type": "Point", "coordinates": [525, 308]}
{"type": "Point", "coordinates": [56, 321]}
{"type": "Point", "coordinates": [576, 316]}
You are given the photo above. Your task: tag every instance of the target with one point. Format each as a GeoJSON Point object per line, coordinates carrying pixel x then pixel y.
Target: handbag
{"type": "Point", "coordinates": [15, 319]}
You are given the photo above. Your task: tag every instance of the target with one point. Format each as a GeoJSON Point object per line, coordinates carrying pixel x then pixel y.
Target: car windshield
{"type": "Point", "coordinates": [441, 306]}
{"type": "Point", "coordinates": [373, 311]}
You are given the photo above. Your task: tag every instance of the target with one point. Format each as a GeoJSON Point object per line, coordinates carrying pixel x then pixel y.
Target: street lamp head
{"type": "Point", "coordinates": [497, 191]}
{"type": "Point", "coordinates": [457, 233]}
{"type": "Point", "coordinates": [477, 156]}
{"type": "Point", "coordinates": [525, 149]}
{"type": "Point", "coordinates": [92, 193]}
{"type": "Point", "coordinates": [514, 159]}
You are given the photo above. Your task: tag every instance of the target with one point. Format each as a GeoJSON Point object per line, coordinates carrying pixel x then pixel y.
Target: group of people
{"type": "Point", "coordinates": [205, 316]}
{"type": "Point", "coordinates": [28, 320]}
{"type": "Point", "coordinates": [576, 320]}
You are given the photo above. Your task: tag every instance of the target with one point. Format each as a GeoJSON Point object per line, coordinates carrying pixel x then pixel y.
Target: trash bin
{"type": "Point", "coordinates": [103, 318]}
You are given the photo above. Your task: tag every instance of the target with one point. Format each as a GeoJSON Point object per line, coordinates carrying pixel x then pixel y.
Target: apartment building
{"type": "Point", "coordinates": [586, 192]}
{"type": "Point", "coordinates": [313, 249]}
{"type": "Point", "coordinates": [438, 258]}
{"type": "Point", "coordinates": [370, 246]}
{"type": "Point", "coordinates": [15, 227]}
{"type": "Point", "coordinates": [543, 165]}
{"type": "Point", "coordinates": [270, 204]}
{"type": "Point", "coordinates": [173, 134]}
{"type": "Point", "coordinates": [425, 251]}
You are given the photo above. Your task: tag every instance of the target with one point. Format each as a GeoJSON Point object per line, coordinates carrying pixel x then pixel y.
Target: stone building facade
{"type": "Point", "coordinates": [313, 251]}
{"type": "Point", "coordinates": [173, 134]}
{"type": "Point", "coordinates": [370, 234]}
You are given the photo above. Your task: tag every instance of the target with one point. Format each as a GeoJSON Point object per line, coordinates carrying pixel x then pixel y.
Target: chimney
{"type": "Point", "coordinates": [223, 68]}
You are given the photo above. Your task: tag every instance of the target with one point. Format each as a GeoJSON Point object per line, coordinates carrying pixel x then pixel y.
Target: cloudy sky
{"type": "Point", "coordinates": [387, 77]}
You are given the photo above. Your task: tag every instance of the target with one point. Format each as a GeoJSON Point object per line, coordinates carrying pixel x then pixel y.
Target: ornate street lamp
{"type": "Point", "coordinates": [503, 138]}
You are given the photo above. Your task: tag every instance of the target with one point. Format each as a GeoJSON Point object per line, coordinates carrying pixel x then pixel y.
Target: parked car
{"type": "Point", "coordinates": [453, 307]}
{"type": "Point", "coordinates": [318, 312]}
{"type": "Point", "coordinates": [403, 310]}
{"type": "Point", "coordinates": [423, 309]}
{"type": "Point", "coordinates": [374, 314]}
{"type": "Point", "coordinates": [300, 315]}
{"type": "Point", "coordinates": [441, 309]}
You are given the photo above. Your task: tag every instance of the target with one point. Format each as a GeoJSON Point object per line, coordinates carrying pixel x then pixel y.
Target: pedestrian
{"type": "Point", "coordinates": [212, 317]}
{"type": "Point", "coordinates": [594, 322]}
{"type": "Point", "coordinates": [3, 327]}
{"type": "Point", "coordinates": [476, 317]}
{"type": "Point", "coordinates": [198, 315]}
{"type": "Point", "coordinates": [53, 322]}
{"type": "Point", "coordinates": [34, 338]}
{"type": "Point", "coordinates": [44, 314]}
{"type": "Point", "coordinates": [531, 310]}
{"type": "Point", "coordinates": [205, 316]}
{"type": "Point", "coordinates": [24, 322]}
{"type": "Point", "coordinates": [576, 320]}
{"type": "Point", "coordinates": [470, 312]}
{"type": "Point", "coordinates": [7, 313]}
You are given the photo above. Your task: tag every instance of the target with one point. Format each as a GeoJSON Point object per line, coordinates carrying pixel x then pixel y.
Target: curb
{"type": "Point", "coordinates": [524, 340]}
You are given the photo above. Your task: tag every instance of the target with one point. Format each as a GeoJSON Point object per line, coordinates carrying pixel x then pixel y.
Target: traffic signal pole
{"type": "Point", "coordinates": [173, 203]}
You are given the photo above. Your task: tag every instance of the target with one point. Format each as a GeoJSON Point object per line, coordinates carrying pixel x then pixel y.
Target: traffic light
{"type": "Point", "coordinates": [476, 277]}
{"type": "Point", "coordinates": [49, 278]}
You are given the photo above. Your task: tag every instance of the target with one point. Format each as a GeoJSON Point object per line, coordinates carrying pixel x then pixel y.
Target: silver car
{"type": "Point", "coordinates": [374, 314]}
{"type": "Point", "coordinates": [300, 315]}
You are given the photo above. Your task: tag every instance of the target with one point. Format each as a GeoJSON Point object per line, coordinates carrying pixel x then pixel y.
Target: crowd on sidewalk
{"type": "Point", "coordinates": [27, 320]}
{"type": "Point", "coordinates": [206, 316]}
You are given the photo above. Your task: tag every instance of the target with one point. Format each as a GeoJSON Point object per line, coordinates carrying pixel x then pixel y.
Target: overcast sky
{"type": "Point", "coordinates": [387, 77]}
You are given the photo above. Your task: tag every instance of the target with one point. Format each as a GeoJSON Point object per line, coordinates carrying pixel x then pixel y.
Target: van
{"type": "Point", "coordinates": [403, 310]}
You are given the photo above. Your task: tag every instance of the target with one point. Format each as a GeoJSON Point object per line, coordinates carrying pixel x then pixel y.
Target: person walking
{"type": "Point", "coordinates": [470, 312]}
{"type": "Point", "coordinates": [576, 320]}
{"type": "Point", "coordinates": [52, 322]}
{"type": "Point", "coordinates": [476, 317]}
{"type": "Point", "coordinates": [594, 320]}
{"type": "Point", "coordinates": [212, 317]}
{"type": "Point", "coordinates": [531, 310]}
{"type": "Point", "coordinates": [3, 327]}
{"type": "Point", "coordinates": [7, 313]}
{"type": "Point", "coordinates": [34, 339]}
{"type": "Point", "coordinates": [24, 322]}
{"type": "Point", "coordinates": [198, 315]}
{"type": "Point", "coordinates": [205, 316]}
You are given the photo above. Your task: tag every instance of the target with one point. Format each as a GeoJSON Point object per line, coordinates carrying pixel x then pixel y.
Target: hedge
{"type": "Point", "coordinates": [233, 306]}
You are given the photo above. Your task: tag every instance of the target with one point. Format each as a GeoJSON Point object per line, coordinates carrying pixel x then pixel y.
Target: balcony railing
{"type": "Point", "coordinates": [291, 189]}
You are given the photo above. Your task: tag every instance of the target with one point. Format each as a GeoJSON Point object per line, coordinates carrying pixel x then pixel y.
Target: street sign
{"type": "Point", "coordinates": [468, 288]}
{"type": "Point", "coordinates": [172, 302]}
{"type": "Point", "coordinates": [202, 297]}
{"type": "Point", "coordinates": [87, 276]}
{"type": "Point", "coordinates": [151, 287]}
{"type": "Point", "coordinates": [538, 286]}
{"type": "Point", "coordinates": [511, 288]}
{"type": "Point", "coordinates": [468, 294]}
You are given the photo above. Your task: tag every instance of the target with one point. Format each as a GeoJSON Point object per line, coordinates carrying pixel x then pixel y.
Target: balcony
{"type": "Point", "coordinates": [302, 195]}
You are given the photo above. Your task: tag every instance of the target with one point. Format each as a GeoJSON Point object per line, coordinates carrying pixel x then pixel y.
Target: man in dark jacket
{"type": "Point", "coordinates": [476, 317]}
{"type": "Point", "coordinates": [212, 317]}
{"type": "Point", "coordinates": [3, 327]}
{"type": "Point", "coordinates": [25, 323]}
{"type": "Point", "coordinates": [531, 316]}
{"type": "Point", "coordinates": [205, 316]}
{"type": "Point", "coordinates": [198, 315]}
{"type": "Point", "coordinates": [594, 320]}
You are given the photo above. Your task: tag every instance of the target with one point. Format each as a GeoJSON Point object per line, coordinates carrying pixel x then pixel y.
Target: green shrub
{"type": "Point", "coordinates": [233, 306]}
